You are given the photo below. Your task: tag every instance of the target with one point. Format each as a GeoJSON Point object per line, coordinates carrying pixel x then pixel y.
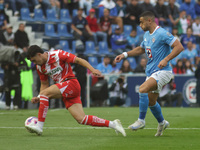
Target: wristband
{"type": "Point", "coordinates": [125, 54]}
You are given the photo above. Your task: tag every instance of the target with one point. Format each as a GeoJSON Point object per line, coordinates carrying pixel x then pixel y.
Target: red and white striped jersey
{"type": "Point", "coordinates": [57, 66]}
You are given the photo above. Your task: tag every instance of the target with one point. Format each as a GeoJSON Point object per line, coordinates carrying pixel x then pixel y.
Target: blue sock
{"type": "Point", "coordinates": [156, 111]}
{"type": "Point", "coordinates": [143, 105]}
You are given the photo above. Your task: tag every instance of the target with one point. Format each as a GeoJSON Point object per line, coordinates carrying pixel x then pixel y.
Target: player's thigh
{"type": "Point", "coordinates": [152, 98]}
{"type": "Point", "coordinates": [52, 92]}
{"type": "Point", "coordinates": [77, 112]}
{"type": "Point", "coordinates": [148, 85]}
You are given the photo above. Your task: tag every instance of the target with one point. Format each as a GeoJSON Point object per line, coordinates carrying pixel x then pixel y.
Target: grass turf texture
{"type": "Point", "coordinates": [184, 131]}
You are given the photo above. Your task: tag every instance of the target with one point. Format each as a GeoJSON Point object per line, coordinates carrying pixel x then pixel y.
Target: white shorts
{"type": "Point", "coordinates": [162, 77]}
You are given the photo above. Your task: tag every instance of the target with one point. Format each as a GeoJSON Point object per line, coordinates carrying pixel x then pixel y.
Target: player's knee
{"type": "Point", "coordinates": [143, 89]}
{"type": "Point", "coordinates": [152, 103]}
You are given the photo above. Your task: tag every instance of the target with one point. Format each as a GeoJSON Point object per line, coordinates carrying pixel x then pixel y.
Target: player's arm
{"type": "Point", "coordinates": [177, 49]}
{"type": "Point", "coordinates": [135, 52]}
{"type": "Point", "coordinates": [85, 64]}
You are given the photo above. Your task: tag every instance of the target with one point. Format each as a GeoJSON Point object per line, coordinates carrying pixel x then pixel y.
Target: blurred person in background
{"type": "Point", "coordinates": [21, 39]}
{"type": "Point", "coordinates": [197, 8]}
{"type": "Point", "coordinates": [118, 41]}
{"type": "Point", "coordinates": [188, 37]}
{"type": "Point", "coordinates": [188, 6]}
{"type": "Point", "coordinates": [92, 23]}
{"type": "Point", "coordinates": [112, 7]}
{"type": "Point", "coordinates": [118, 92]}
{"type": "Point", "coordinates": [182, 23]}
{"type": "Point", "coordinates": [126, 67]}
{"type": "Point", "coordinates": [189, 69]}
{"type": "Point", "coordinates": [81, 30]}
{"type": "Point", "coordinates": [133, 11]}
{"type": "Point", "coordinates": [161, 10]}
{"type": "Point", "coordinates": [105, 66]}
{"type": "Point", "coordinates": [179, 68]}
{"type": "Point", "coordinates": [189, 53]}
{"type": "Point", "coordinates": [142, 66]}
{"type": "Point", "coordinates": [173, 12]}
{"type": "Point", "coordinates": [196, 29]}
{"type": "Point", "coordinates": [105, 24]}
{"type": "Point", "coordinates": [7, 37]}
{"type": "Point", "coordinates": [175, 33]}
{"type": "Point", "coordinates": [87, 4]}
{"type": "Point", "coordinates": [133, 39]}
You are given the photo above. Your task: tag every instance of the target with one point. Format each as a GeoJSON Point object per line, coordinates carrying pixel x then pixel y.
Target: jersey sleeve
{"type": "Point", "coordinates": [66, 57]}
{"type": "Point", "coordinates": [168, 38]}
{"type": "Point", "coordinates": [42, 76]}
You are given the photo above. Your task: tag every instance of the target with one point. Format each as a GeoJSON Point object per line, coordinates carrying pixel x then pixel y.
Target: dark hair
{"type": "Point", "coordinates": [33, 50]}
{"type": "Point", "coordinates": [123, 69]}
{"type": "Point", "coordinates": [148, 14]}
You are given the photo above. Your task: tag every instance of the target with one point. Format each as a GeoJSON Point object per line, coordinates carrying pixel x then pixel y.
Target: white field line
{"type": "Point", "coordinates": [83, 128]}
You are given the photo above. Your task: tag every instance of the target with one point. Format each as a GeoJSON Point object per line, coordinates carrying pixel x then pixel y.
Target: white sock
{"type": "Point", "coordinates": [40, 124]}
{"type": "Point", "coordinates": [112, 124]}
{"type": "Point", "coordinates": [141, 120]}
{"type": "Point", "coordinates": [162, 123]}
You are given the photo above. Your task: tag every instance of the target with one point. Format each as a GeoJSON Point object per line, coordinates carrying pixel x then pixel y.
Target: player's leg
{"type": "Point", "coordinates": [156, 111]}
{"type": "Point", "coordinates": [77, 112]}
{"type": "Point", "coordinates": [148, 85]}
{"type": "Point", "coordinates": [50, 92]}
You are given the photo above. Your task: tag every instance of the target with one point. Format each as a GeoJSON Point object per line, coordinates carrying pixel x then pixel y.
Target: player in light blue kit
{"type": "Point", "coordinates": [157, 43]}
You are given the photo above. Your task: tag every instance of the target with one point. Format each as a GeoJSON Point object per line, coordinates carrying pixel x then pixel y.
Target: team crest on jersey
{"type": "Point", "coordinates": [149, 54]}
{"type": "Point", "coordinates": [169, 34]}
{"type": "Point", "coordinates": [153, 40]}
{"type": "Point", "coordinates": [44, 70]}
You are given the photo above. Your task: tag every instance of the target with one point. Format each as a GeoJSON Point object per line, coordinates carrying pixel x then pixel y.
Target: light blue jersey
{"type": "Point", "coordinates": [157, 46]}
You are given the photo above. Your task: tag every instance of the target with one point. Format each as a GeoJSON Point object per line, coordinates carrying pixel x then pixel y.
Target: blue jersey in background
{"type": "Point", "coordinates": [157, 46]}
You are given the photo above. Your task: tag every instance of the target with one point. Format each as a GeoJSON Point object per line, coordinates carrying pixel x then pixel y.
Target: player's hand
{"type": "Point", "coordinates": [119, 58]}
{"type": "Point", "coordinates": [162, 64]}
{"type": "Point", "coordinates": [97, 73]}
{"type": "Point", "coordinates": [35, 100]}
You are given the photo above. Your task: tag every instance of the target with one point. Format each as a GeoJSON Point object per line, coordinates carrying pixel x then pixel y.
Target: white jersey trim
{"type": "Point", "coordinates": [172, 42]}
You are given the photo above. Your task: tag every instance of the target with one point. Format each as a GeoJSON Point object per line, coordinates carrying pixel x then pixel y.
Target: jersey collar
{"type": "Point", "coordinates": [155, 30]}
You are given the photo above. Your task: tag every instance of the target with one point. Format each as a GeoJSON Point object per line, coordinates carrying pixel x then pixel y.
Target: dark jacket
{"type": "Point", "coordinates": [21, 39]}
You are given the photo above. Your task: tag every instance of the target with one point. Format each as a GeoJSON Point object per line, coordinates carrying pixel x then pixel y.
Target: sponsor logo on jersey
{"type": "Point", "coordinates": [189, 91]}
{"type": "Point", "coordinates": [153, 40]}
{"type": "Point", "coordinates": [54, 71]}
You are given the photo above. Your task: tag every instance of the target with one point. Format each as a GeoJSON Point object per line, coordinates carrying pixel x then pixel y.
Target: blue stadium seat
{"type": "Point", "coordinates": [64, 16]}
{"type": "Point", "coordinates": [93, 61]}
{"type": "Point", "coordinates": [132, 62]}
{"type": "Point", "coordinates": [65, 45]}
{"type": "Point", "coordinates": [127, 29]}
{"type": "Point", "coordinates": [38, 15]}
{"type": "Point", "coordinates": [73, 47]}
{"type": "Point", "coordinates": [74, 12]}
{"type": "Point", "coordinates": [62, 31]}
{"type": "Point", "coordinates": [169, 29]}
{"type": "Point", "coordinates": [50, 30]}
{"type": "Point", "coordinates": [51, 15]}
{"type": "Point", "coordinates": [25, 14]}
{"type": "Point", "coordinates": [103, 49]}
{"type": "Point", "coordinates": [139, 31]}
{"type": "Point", "coordinates": [90, 48]}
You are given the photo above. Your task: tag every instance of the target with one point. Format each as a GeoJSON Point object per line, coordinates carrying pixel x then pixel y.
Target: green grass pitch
{"type": "Point", "coordinates": [62, 132]}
